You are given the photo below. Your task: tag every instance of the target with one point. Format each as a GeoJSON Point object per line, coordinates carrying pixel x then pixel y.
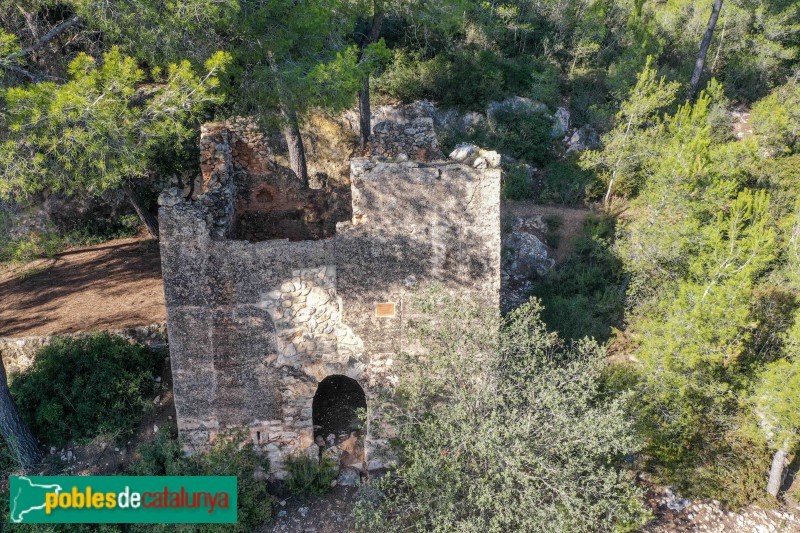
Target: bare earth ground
{"type": "Point", "coordinates": [329, 514]}
{"type": "Point", "coordinates": [113, 285]}
{"type": "Point", "coordinates": [571, 219]}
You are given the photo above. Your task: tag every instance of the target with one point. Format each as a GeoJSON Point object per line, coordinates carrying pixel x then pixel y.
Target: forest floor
{"type": "Point", "coordinates": [108, 286]}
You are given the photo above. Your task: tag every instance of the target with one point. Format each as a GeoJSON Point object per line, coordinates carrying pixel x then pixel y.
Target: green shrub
{"type": "Point", "coordinates": [523, 135]}
{"type": "Point", "coordinates": [565, 182]}
{"type": "Point", "coordinates": [308, 477]}
{"type": "Point", "coordinates": [517, 183]}
{"type": "Point", "coordinates": [229, 456]}
{"type": "Point", "coordinates": [586, 295]}
{"type": "Point", "coordinates": [504, 433]}
{"type": "Point", "coordinates": [161, 457]}
{"type": "Point", "coordinates": [588, 100]}
{"type": "Point", "coordinates": [78, 388]}
{"type": "Point", "coordinates": [468, 79]}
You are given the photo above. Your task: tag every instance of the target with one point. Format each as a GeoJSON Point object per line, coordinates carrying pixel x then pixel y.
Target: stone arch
{"type": "Point", "coordinates": [336, 407]}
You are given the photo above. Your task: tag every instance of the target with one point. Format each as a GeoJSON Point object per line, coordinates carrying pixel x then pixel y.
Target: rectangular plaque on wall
{"type": "Point", "coordinates": [385, 309]}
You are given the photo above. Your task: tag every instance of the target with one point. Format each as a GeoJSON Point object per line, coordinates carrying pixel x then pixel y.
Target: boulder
{"type": "Point", "coordinates": [471, 120]}
{"type": "Point", "coordinates": [493, 158]}
{"type": "Point", "coordinates": [560, 123]}
{"type": "Point", "coordinates": [584, 138]}
{"type": "Point", "coordinates": [349, 477]}
{"type": "Point", "coordinates": [516, 104]}
{"type": "Point", "coordinates": [463, 151]}
{"type": "Point", "coordinates": [528, 255]}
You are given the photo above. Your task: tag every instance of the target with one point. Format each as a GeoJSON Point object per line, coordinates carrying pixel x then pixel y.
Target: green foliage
{"type": "Point", "coordinates": [79, 388]}
{"type": "Point", "coordinates": [468, 79]}
{"type": "Point", "coordinates": [692, 378]}
{"type": "Point", "coordinates": [522, 135]}
{"type": "Point", "coordinates": [699, 243]}
{"type": "Point", "coordinates": [628, 147]}
{"type": "Point", "coordinates": [517, 182]}
{"type": "Point", "coordinates": [566, 182]}
{"type": "Point", "coordinates": [776, 118]}
{"type": "Point", "coordinates": [776, 399]}
{"type": "Point", "coordinates": [585, 297]}
{"type": "Point", "coordinates": [504, 433]}
{"type": "Point", "coordinates": [100, 127]}
{"type": "Point", "coordinates": [309, 477]}
{"type": "Point", "coordinates": [230, 455]}
{"type": "Point", "coordinates": [35, 244]}
{"type": "Point", "coordinates": [159, 33]}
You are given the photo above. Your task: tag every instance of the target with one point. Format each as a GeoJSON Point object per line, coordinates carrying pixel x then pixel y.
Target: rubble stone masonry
{"type": "Point", "coordinates": [269, 292]}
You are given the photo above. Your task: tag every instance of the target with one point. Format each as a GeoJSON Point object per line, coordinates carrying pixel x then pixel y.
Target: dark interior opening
{"type": "Point", "coordinates": [276, 205]}
{"type": "Point", "coordinates": [336, 407]}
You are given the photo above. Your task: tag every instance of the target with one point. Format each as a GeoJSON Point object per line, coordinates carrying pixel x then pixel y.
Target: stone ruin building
{"type": "Point", "coordinates": [287, 306]}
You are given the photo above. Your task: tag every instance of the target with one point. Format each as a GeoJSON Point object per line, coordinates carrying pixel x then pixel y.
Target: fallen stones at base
{"type": "Point", "coordinates": [349, 477]}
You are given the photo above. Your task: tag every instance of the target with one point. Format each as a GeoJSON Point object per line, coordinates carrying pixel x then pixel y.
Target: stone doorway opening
{"type": "Point", "coordinates": [337, 410]}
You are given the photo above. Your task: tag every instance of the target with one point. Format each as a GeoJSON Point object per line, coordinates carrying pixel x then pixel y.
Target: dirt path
{"type": "Point", "coordinates": [113, 285]}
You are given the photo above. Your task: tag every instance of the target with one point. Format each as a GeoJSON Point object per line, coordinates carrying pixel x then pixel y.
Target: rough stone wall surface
{"type": "Point", "coordinates": [412, 139]}
{"type": "Point", "coordinates": [254, 327]}
{"type": "Point", "coordinates": [249, 197]}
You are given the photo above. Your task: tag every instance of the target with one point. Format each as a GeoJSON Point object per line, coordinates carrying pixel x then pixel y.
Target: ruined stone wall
{"type": "Point", "coordinates": [414, 138]}
{"type": "Point", "coordinates": [254, 327]}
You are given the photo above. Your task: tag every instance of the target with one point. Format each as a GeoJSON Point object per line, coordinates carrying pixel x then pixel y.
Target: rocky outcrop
{"type": "Point", "coordinates": [560, 123]}
{"type": "Point", "coordinates": [584, 138]}
{"type": "Point", "coordinates": [525, 259]}
{"type": "Point", "coordinates": [515, 104]}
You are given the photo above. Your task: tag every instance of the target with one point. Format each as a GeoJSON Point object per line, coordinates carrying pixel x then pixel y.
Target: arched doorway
{"type": "Point", "coordinates": [336, 408]}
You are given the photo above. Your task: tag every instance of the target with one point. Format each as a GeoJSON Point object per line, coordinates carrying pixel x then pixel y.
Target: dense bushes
{"type": "Point", "coordinates": [230, 456]}
{"type": "Point", "coordinates": [504, 434]}
{"type": "Point", "coordinates": [586, 295]}
{"type": "Point", "coordinates": [468, 79]}
{"type": "Point", "coordinates": [78, 388]}
{"type": "Point", "coordinates": [566, 182]}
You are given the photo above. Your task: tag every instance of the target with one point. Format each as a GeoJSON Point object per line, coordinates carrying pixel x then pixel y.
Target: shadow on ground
{"type": "Point", "coordinates": [113, 285]}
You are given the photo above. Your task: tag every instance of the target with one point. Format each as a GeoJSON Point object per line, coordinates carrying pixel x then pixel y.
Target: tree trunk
{"type": "Point", "coordinates": [365, 113]}
{"type": "Point", "coordinates": [364, 110]}
{"type": "Point", "coordinates": [144, 213]}
{"type": "Point", "coordinates": [297, 152]}
{"type": "Point", "coordinates": [776, 472]}
{"type": "Point", "coordinates": [16, 434]}
{"type": "Point", "coordinates": [704, 44]}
